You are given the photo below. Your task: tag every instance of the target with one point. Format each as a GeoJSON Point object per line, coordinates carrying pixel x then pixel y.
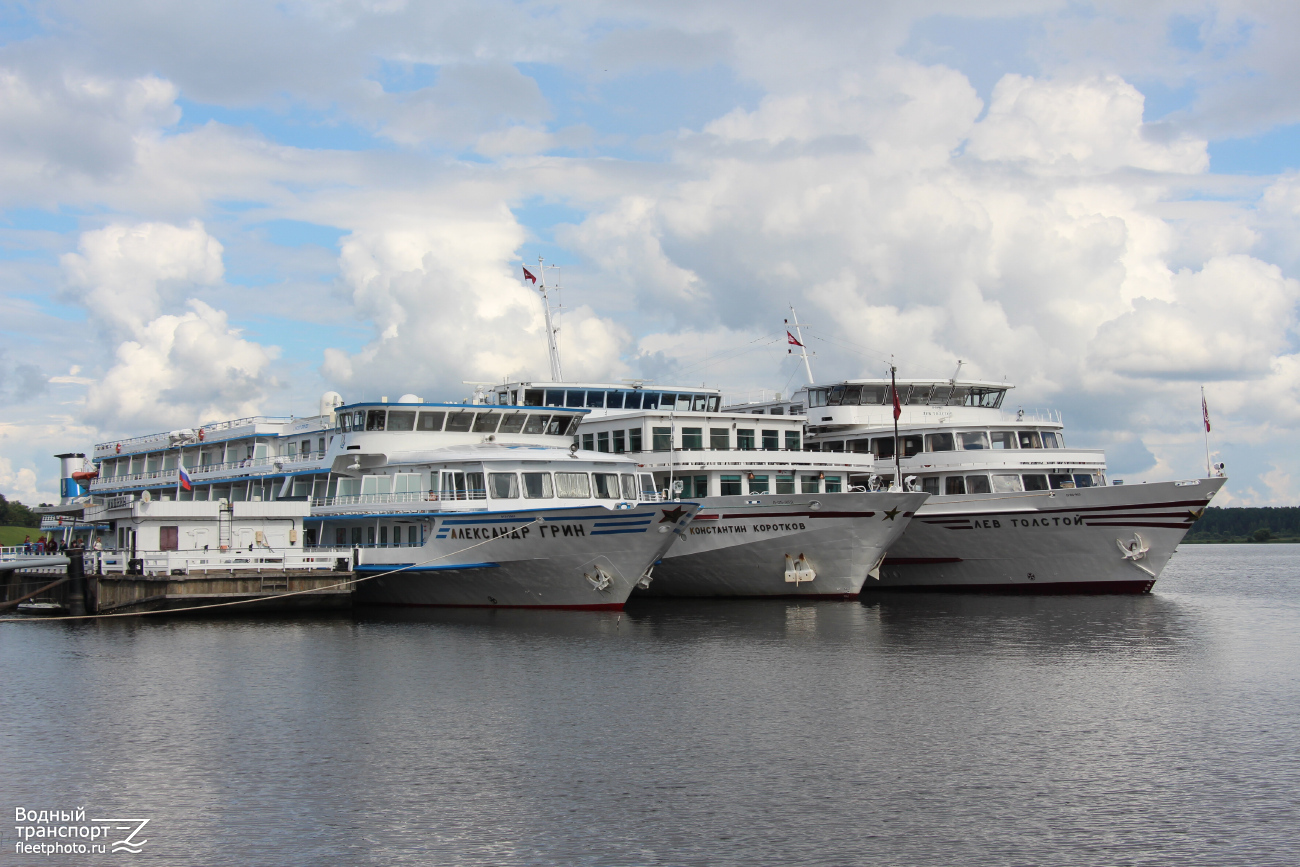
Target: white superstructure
{"type": "Point", "coordinates": [775, 518]}
{"type": "Point", "coordinates": [1013, 507]}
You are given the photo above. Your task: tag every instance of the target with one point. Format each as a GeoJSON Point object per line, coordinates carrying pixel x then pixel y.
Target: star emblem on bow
{"type": "Point", "coordinates": [891, 514]}
{"type": "Point", "coordinates": [672, 516]}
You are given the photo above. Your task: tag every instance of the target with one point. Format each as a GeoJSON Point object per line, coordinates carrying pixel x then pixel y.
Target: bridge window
{"type": "Point", "coordinates": [971, 440]}
{"type": "Point", "coordinates": [1004, 439]}
{"type": "Point", "coordinates": [851, 395]}
{"type": "Point", "coordinates": [537, 486]}
{"type": "Point", "coordinates": [713, 402]}
{"type": "Point", "coordinates": [920, 394]}
{"type": "Point", "coordinates": [1085, 480]}
{"type": "Point", "coordinates": [460, 422]}
{"type": "Point", "coordinates": [486, 422]}
{"type": "Point", "coordinates": [1051, 440]}
{"type": "Point", "coordinates": [575, 398]}
{"type": "Point", "coordinates": [375, 419]}
{"type": "Point", "coordinates": [939, 396]}
{"type": "Point", "coordinates": [572, 486]}
{"type": "Point", "coordinates": [554, 397]}
{"type": "Point", "coordinates": [647, 482]}
{"type": "Point", "coordinates": [613, 400]}
{"type": "Point", "coordinates": [1006, 483]}
{"type": "Point", "coordinates": [958, 396]}
{"type": "Point", "coordinates": [606, 485]}
{"type": "Point", "coordinates": [345, 422]}
{"type": "Point", "coordinates": [512, 423]}
{"type": "Point", "coordinates": [817, 396]}
{"type": "Point", "coordinates": [836, 396]}
{"type": "Point", "coordinates": [649, 400]}
{"type": "Point", "coordinates": [1029, 439]}
{"type": "Point", "coordinates": [596, 399]}
{"type": "Point", "coordinates": [940, 442]}
{"type": "Point", "coordinates": [536, 424]}
{"type": "Point", "coordinates": [632, 400]}
{"type": "Point", "coordinates": [534, 397]}
{"type": "Point", "coordinates": [401, 421]}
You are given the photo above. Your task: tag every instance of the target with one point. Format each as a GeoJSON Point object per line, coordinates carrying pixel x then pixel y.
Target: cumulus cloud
{"type": "Point", "coordinates": [168, 369]}
{"type": "Point", "coordinates": [181, 370]}
{"type": "Point", "coordinates": [1228, 320]}
{"type": "Point", "coordinates": [447, 306]}
{"type": "Point", "coordinates": [1092, 125]}
{"type": "Point", "coordinates": [124, 273]}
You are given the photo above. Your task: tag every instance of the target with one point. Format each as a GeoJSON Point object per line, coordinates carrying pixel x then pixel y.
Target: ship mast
{"type": "Point", "coordinates": [552, 328]}
{"type": "Point", "coordinates": [803, 350]}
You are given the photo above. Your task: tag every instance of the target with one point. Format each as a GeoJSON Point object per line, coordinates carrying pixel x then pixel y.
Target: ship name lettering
{"type": "Point", "coordinates": [770, 528]}
{"type": "Point", "coordinates": [1057, 521]}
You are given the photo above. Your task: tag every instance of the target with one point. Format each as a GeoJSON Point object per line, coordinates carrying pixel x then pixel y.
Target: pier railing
{"type": "Point", "coordinates": [186, 562]}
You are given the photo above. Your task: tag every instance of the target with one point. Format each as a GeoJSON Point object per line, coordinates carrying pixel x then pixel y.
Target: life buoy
{"type": "Point", "coordinates": [119, 448]}
{"type": "Point", "coordinates": [200, 434]}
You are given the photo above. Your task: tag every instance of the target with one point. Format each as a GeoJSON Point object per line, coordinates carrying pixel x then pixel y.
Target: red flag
{"type": "Point", "coordinates": [793, 342]}
{"type": "Point", "coordinates": [1205, 413]}
{"type": "Point", "coordinates": [528, 275]}
{"type": "Point", "coordinates": [898, 409]}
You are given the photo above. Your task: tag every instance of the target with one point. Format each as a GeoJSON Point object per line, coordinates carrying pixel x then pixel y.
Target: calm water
{"type": "Point", "coordinates": [908, 730]}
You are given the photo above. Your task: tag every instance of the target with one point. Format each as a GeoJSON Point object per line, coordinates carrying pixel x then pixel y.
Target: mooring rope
{"type": "Point", "coordinates": [350, 581]}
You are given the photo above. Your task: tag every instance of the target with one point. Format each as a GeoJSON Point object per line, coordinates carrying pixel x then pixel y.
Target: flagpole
{"type": "Point", "coordinates": [898, 465]}
{"type": "Point", "coordinates": [803, 350]}
{"type": "Point", "coordinates": [1205, 419]}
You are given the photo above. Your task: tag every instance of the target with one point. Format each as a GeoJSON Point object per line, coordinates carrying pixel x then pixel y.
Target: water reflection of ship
{"type": "Point", "coordinates": [1053, 627]}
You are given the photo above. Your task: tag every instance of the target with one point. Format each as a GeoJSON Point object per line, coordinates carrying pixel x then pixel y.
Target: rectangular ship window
{"type": "Point", "coordinates": [537, 486]}
{"type": "Point", "coordinates": [572, 486]}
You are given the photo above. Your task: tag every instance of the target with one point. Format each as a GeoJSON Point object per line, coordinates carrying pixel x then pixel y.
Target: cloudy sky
{"type": "Point", "coordinates": [218, 209]}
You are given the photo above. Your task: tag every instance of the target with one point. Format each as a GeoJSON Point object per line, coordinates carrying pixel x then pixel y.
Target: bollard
{"type": "Point", "coordinates": [76, 584]}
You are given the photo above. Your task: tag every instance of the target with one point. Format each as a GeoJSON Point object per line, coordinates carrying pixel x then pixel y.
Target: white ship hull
{"type": "Point", "coordinates": [1064, 541]}
{"type": "Point", "coordinates": [737, 548]}
{"type": "Point", "coordinates": [578, 558]}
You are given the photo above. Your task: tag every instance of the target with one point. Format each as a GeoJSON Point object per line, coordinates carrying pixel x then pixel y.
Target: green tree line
{"type": "Point", "coordinates": [15, 514]}
{"type": "Point", "coordinates": [1279, 523]}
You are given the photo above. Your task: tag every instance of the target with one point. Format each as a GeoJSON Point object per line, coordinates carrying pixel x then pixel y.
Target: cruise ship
{"type": "Point", "coordinates": [1012, 507]}
{"type": "Point", "coordinates": [444, 504]}
{"type": "Point", "coordinates": [775, 518]}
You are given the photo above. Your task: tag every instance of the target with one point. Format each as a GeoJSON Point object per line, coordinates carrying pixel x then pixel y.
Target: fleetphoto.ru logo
{"type": "Point", "coordinates": [68, 832]}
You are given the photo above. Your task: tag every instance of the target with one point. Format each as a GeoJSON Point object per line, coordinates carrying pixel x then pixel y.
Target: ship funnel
{"type": "Point", "coordinates": [69, 489]}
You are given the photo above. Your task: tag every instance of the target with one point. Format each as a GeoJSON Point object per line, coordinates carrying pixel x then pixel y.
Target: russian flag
{"type": "Point", "coordinates": [185, 480]}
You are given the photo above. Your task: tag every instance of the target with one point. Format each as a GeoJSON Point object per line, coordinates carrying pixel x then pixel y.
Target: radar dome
{"type": "Point", "coordinates": [410, 398]}
{"type": "Point", "coordinates": [330, 401]}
